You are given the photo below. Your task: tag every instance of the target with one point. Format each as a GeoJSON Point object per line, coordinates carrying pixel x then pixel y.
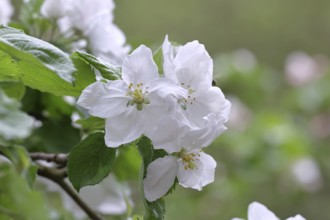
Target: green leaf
{"type": "Point", "coordinates": [22, 162]}
{"type": "Point", "coordinates": [146, 151]}
{"type": "Point", "coordinates": [13, 89]}
{"type": "Point", "coordinates": [107, 70]}
{"type": "Point", "coordinates": [91, 123]}
{"type": "Point", "coordinates": [128, 163]}
{"type": "Point", "coordinates": [26, 48]}
{"type": "Point", "coordinates": [90, 161]}
{"type": "Point", "coordinates": [84, 75]}
{"type": "Point", "coordinates": [37, 63]}
{"type": "Point", "coordinates": [155, 210]}
{"type": "Point", "coordinates": [17, 200]}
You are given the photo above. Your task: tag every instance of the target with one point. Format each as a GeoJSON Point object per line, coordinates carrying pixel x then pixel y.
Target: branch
{"type": "Point", "coordinates": [58, 177]}
{"type": "Point", "coordinates": [57, 158]}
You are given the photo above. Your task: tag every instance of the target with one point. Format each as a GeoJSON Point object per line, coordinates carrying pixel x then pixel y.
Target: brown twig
{"type": "Point", "coordinates": [57, 158]}
{"type": "Point", "coordinates": [58, 176]}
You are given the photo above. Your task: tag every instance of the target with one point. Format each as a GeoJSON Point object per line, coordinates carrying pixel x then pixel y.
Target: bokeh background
{"type": "Point", "coordinates": [271, 60]}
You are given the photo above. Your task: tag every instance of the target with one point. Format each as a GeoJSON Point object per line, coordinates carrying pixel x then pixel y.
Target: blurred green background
{"type": "Point", "coordinates": [276, 150]}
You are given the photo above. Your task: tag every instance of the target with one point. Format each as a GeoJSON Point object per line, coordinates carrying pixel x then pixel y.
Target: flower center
{"type": "Point", "coordinates": [190, 100]}
{"type": "Point", "coordinates": [189, 159]}
{"type": "Point", "coordinates": [138, 95]}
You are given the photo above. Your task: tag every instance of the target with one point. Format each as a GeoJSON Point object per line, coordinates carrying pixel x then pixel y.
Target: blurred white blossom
{"type": "Point", "coordinates": [6, 11]}
{"type": "Point", "coordinates": [307, 173]}
{"type": "Point", "coordinates": [94, 19]}
{"type": "Point", "coordinates": [258, 211]}
{"type": "Point", "coordinates": [300, 68]}
{"type": "Point", "coordinates": [244, 60]}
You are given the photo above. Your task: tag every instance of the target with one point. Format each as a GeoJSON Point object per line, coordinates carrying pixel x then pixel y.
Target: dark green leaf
{"type": "Point", "coordinates": [107, 70]}
{"type": "Point", "coordinates": [146, 151]}
{"type": "Point", "coordinates": [155, 210]}
{"type": "Point", "coordinates": [90, 161]}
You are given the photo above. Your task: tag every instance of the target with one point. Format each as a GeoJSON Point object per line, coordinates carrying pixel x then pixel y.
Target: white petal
{"type": "Point", "coordinates": [124, 128]}
{"type": "Point", "coordinates": [194, 66]}
{"type": "Point", "coordinates": [108, 42]}
{"type": "Point", "coordinates": [164, 87]}
{"type": "Point", "coordinates": [168, 65]}
{"type": "Point", "coordinates": [105, 100]}
{"type": "Point", "coordinates": [258, 211]}
{"type": "Point", "coordinates": [200, 176]}
{"type": "Point", "coordinates": [167, 134]}
{"type": "Point", "coordinates": [139, 66]}
{"type": "Point", "coordinates": [297, 217]}
{"type": "Point", "coordinates": [160, 177]}
{"type": "Point", "coordinates": [237, 219]}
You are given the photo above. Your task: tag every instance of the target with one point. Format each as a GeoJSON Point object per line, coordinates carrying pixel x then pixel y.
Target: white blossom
{"type": "Point", "coordinates": [94, 19]}
{"type": "Point", "coordinates": [204, 111]}
{"type": "Point", "coordinates": [6, 11]}
{"type": "Point", "coordinates": [134, 104]}
{"type": "Point", "coordinates": [193, 169]}
{"type": "Point", "coordinates": [258, 211]}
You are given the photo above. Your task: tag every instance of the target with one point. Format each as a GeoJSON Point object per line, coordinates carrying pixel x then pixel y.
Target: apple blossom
{"type": "Point", "coordinates": [258, 211]}
{"type": "Point", "coordinates": [193, 169]}
{"type": "Point", "coordinates": [134, 104]}
{"type": "Point", "coordinates": [201, 115]}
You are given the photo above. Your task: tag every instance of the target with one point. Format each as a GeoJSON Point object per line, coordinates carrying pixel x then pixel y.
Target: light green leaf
{"type": "Point", "coordinates": [17, 200]}
{"type": "Point", "coordinates": [21, 161]}
{"type": "Point", "coordinates": [84, 75]}
{"type": "Point", "coordinates": [26, 48]}
{"type": "Point", "coordinates": [90, 161]}
{"type": "Point", "coordinates": [13, 89]}
{"type": "Point", "coordinates": [107, 70]}
{"type": "Point", "coordinates": [37, 63]}
{"type": "Point", "coordinates": [91, 124]}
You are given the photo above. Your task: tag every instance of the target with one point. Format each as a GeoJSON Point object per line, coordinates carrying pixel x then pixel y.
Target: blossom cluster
{"type": "Point", "coordinates": [179, 110]}
{"type": "Point", "coordinates": [94, 19]}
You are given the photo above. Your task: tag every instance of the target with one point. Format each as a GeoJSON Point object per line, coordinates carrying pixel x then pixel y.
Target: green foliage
{"type": "Point", "coordinates": [21, 161]}
{"type": "Point", "coordinates": [84, 75]}
{"type": "Point", "coordinates": [90, 161]}
{"type": "Point", "coordinates": [107, 70]}
{"type": "Point", "coordinates": [37, 63]}
{"type": "Point", "coordinates": [153, 210]}
{"type": "Point", "coordinates": [128, 163]}
{"type": "Point", "coordinates": [17, 200]}
{"type": "Point", "coordinates": [13, 89]}
{"type": "Point", "coordinates": [91, 124]}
